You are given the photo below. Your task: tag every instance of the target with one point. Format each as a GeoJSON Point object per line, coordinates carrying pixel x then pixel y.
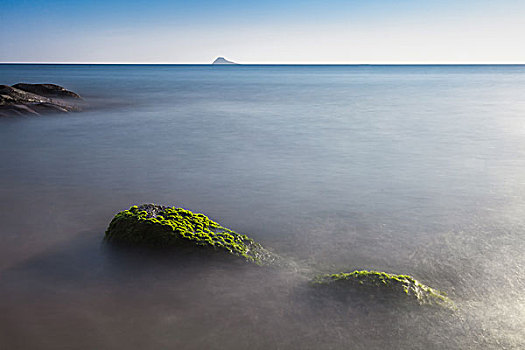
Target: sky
{"type": "Point", "coordinates": [266, 32]}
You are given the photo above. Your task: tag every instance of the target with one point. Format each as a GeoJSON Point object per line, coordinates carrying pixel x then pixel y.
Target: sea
{"type": "Point", "coordinates": [407, 169]}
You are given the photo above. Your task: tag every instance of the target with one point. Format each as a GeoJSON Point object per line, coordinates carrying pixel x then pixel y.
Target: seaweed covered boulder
{"type": "Point", "coordinates": [161, 226]}
{"type": "Point", "coordinates": [384, 286]}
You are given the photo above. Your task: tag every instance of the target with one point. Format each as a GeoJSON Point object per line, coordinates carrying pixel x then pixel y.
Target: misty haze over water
{"type": "Point", "coordinates": [417, 170]}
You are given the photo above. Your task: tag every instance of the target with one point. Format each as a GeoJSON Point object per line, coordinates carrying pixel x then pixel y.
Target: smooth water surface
{"type": "Point", "coordinates": [405, 169]}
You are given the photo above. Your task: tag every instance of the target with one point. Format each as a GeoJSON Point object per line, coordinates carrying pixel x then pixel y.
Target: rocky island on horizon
{"type": "Point", "coordinates": [222, 60]}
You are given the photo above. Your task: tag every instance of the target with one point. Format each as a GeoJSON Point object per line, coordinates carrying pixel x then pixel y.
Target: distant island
{"type": "Point", "coordinates": [222, 60]}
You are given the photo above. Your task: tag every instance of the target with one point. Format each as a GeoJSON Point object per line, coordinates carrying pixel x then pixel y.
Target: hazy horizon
{"type": "Point", "coordinates": [275, 64]}
{"type": "Point", "coordinates": [290, 32]}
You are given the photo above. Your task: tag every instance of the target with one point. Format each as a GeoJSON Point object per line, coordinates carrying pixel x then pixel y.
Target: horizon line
{"type": "Point", "coordinates": [282, 64]}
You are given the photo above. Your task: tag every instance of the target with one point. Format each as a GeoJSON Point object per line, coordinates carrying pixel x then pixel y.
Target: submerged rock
{"type": "Point", "coordinates": [161, 226]}
{"type": "Point", "coordinates": [36, 99]}
{"type": "Point", "coordinates": [384, 286]}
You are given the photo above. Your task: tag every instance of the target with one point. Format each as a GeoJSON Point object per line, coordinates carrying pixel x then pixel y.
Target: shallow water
{"type": "Point", "coordinates": [406, 169]}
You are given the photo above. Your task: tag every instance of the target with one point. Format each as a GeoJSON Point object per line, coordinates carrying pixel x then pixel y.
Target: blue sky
{"type": "Point", "coordinates": [359, 31]}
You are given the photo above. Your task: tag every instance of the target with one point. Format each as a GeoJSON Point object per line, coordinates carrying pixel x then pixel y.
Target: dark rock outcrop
{"type": "Point", "coordinates": [46, 90]}
{"type": "Point", "coordinates": [160, 226]}
{"type": "Point", "coordinates": [36, 99]}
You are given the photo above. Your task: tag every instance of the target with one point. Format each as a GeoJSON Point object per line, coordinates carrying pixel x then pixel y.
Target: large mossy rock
{"type": "Point", "coordinates": [160, 226]}
{"type": "Point", "coordinates": [384, 286]}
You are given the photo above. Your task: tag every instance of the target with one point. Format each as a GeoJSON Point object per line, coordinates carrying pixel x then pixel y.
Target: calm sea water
{"type": "Point", "coordinates": [405, 169]}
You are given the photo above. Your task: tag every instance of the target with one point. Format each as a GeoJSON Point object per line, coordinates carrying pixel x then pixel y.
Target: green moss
{"type": "Point", "coordinates": [386, 284]}
{"type": "Point", "coordinates": [155, 225]}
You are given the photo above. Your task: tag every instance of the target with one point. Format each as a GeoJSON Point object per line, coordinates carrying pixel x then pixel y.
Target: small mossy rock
{"type": "Point", "coordinates": [385, 286]}
{"type": "Point", "coordinates": [161, 226]}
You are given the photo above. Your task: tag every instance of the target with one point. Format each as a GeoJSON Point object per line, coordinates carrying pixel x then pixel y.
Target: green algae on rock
{"type": "Point", "coordinates": [385, 284]}
{"type": "Point", "coordinates": [161, 226]}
